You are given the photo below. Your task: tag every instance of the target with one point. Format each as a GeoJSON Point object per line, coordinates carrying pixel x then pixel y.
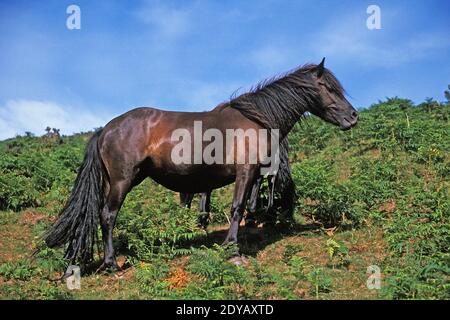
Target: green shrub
{"type": "Point", "coordinates": [333, 203]}
{"type": "Point", "coordinates": [17, 270]}
{"type": "Point", "coordinates": [320, 282]}
{"type": "Point", "coordinates": [16, 192]}
{"type": "Point", "coordinates": [155, 223]}
{"type": "Point", "coordinates": [219, 277]}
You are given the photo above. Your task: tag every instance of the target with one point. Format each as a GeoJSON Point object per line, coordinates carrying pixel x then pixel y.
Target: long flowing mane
{"type": "Point", "coordinates": [279, 102]}
{"type": "Point", "coordinates": [284, 184]}
{"type": "Point", "coordinates": [284, 171]}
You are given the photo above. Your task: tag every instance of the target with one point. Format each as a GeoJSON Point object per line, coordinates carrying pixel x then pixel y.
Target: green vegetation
{"type": "Point", "coordinates": [375, 195]}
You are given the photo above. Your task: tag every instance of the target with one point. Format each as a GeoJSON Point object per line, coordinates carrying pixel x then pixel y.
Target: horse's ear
{"type": "Point", "coordinates": [320, 68]}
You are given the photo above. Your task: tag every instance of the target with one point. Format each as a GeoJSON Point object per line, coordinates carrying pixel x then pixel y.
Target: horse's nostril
{"type": "Point", "coordinates": [354, 114]}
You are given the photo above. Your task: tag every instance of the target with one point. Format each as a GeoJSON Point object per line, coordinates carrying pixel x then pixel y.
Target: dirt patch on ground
{"type": "Point", "coordinates": [344, 173]}
{"type": "Point", "coordinates": [388, 207]}
{"type": "Point", "coordinates": [178, 278]}
{"type": "Point", "coordinates": [16, 241]}
{"type": "Point", "coordinates": [31, 218]}
{"type": "Point", "coordinates": [375, 153]}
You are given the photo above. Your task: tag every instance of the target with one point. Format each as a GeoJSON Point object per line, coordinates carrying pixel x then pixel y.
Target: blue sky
{"type": "Point", "coordinates": [192, 55]}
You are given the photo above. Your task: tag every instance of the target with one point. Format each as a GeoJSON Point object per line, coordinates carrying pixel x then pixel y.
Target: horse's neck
{"type": "Point", "coordinates": [288, 120]}
{"type": "Point", "coordinates": [287, 113]}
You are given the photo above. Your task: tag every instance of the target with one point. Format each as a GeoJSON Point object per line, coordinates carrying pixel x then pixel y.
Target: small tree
{"type": "Point", "coordinates": [447, 94]}
{"type": "Point", "coordinates": [430, 104]}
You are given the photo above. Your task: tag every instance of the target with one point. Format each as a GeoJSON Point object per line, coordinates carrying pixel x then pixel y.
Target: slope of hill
{"type": "Point", "coordinates": [376, 196]}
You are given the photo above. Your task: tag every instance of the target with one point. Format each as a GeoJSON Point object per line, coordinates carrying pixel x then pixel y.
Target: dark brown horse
{"type": "Point", "coordinates": [139, 144]}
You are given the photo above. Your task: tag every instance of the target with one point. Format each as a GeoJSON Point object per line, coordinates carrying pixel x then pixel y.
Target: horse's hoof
{"type": "Point", "coordinates": [203, 220]}
{"type": "Point", "coordinates": [202, 225]}
{"type": "Point", "coordinates": [239, 261]}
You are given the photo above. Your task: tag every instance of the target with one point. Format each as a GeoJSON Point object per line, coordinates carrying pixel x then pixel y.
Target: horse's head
{"type": "Point", "coordinates": [332, 106]}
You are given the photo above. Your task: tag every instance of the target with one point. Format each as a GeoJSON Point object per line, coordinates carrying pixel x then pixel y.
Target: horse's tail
{"type": "Point", "coordinates": [77, 224]}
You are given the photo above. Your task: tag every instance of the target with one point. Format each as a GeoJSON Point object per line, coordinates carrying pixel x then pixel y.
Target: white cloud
{"type": "Point", "coordinates": [19, 116]}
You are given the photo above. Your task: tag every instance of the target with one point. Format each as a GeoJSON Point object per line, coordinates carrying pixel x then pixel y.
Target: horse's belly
{"type": "Point", "coordinates": [192, 183]}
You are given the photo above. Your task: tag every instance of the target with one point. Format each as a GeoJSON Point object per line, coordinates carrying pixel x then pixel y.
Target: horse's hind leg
{"type": "Point", "coordinates": [205, 209]}
{"type": "Point", "coordinates": [114, 200]}
{"type": "Point", "coordinates": [186, 199]}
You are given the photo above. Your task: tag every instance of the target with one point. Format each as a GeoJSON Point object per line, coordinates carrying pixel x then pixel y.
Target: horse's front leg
{"type": "Point", "coordinates": [245, 178]}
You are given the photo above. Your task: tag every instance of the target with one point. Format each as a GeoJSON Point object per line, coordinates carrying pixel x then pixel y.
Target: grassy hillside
{"type": "Point", "coordinates": [375, 195]}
